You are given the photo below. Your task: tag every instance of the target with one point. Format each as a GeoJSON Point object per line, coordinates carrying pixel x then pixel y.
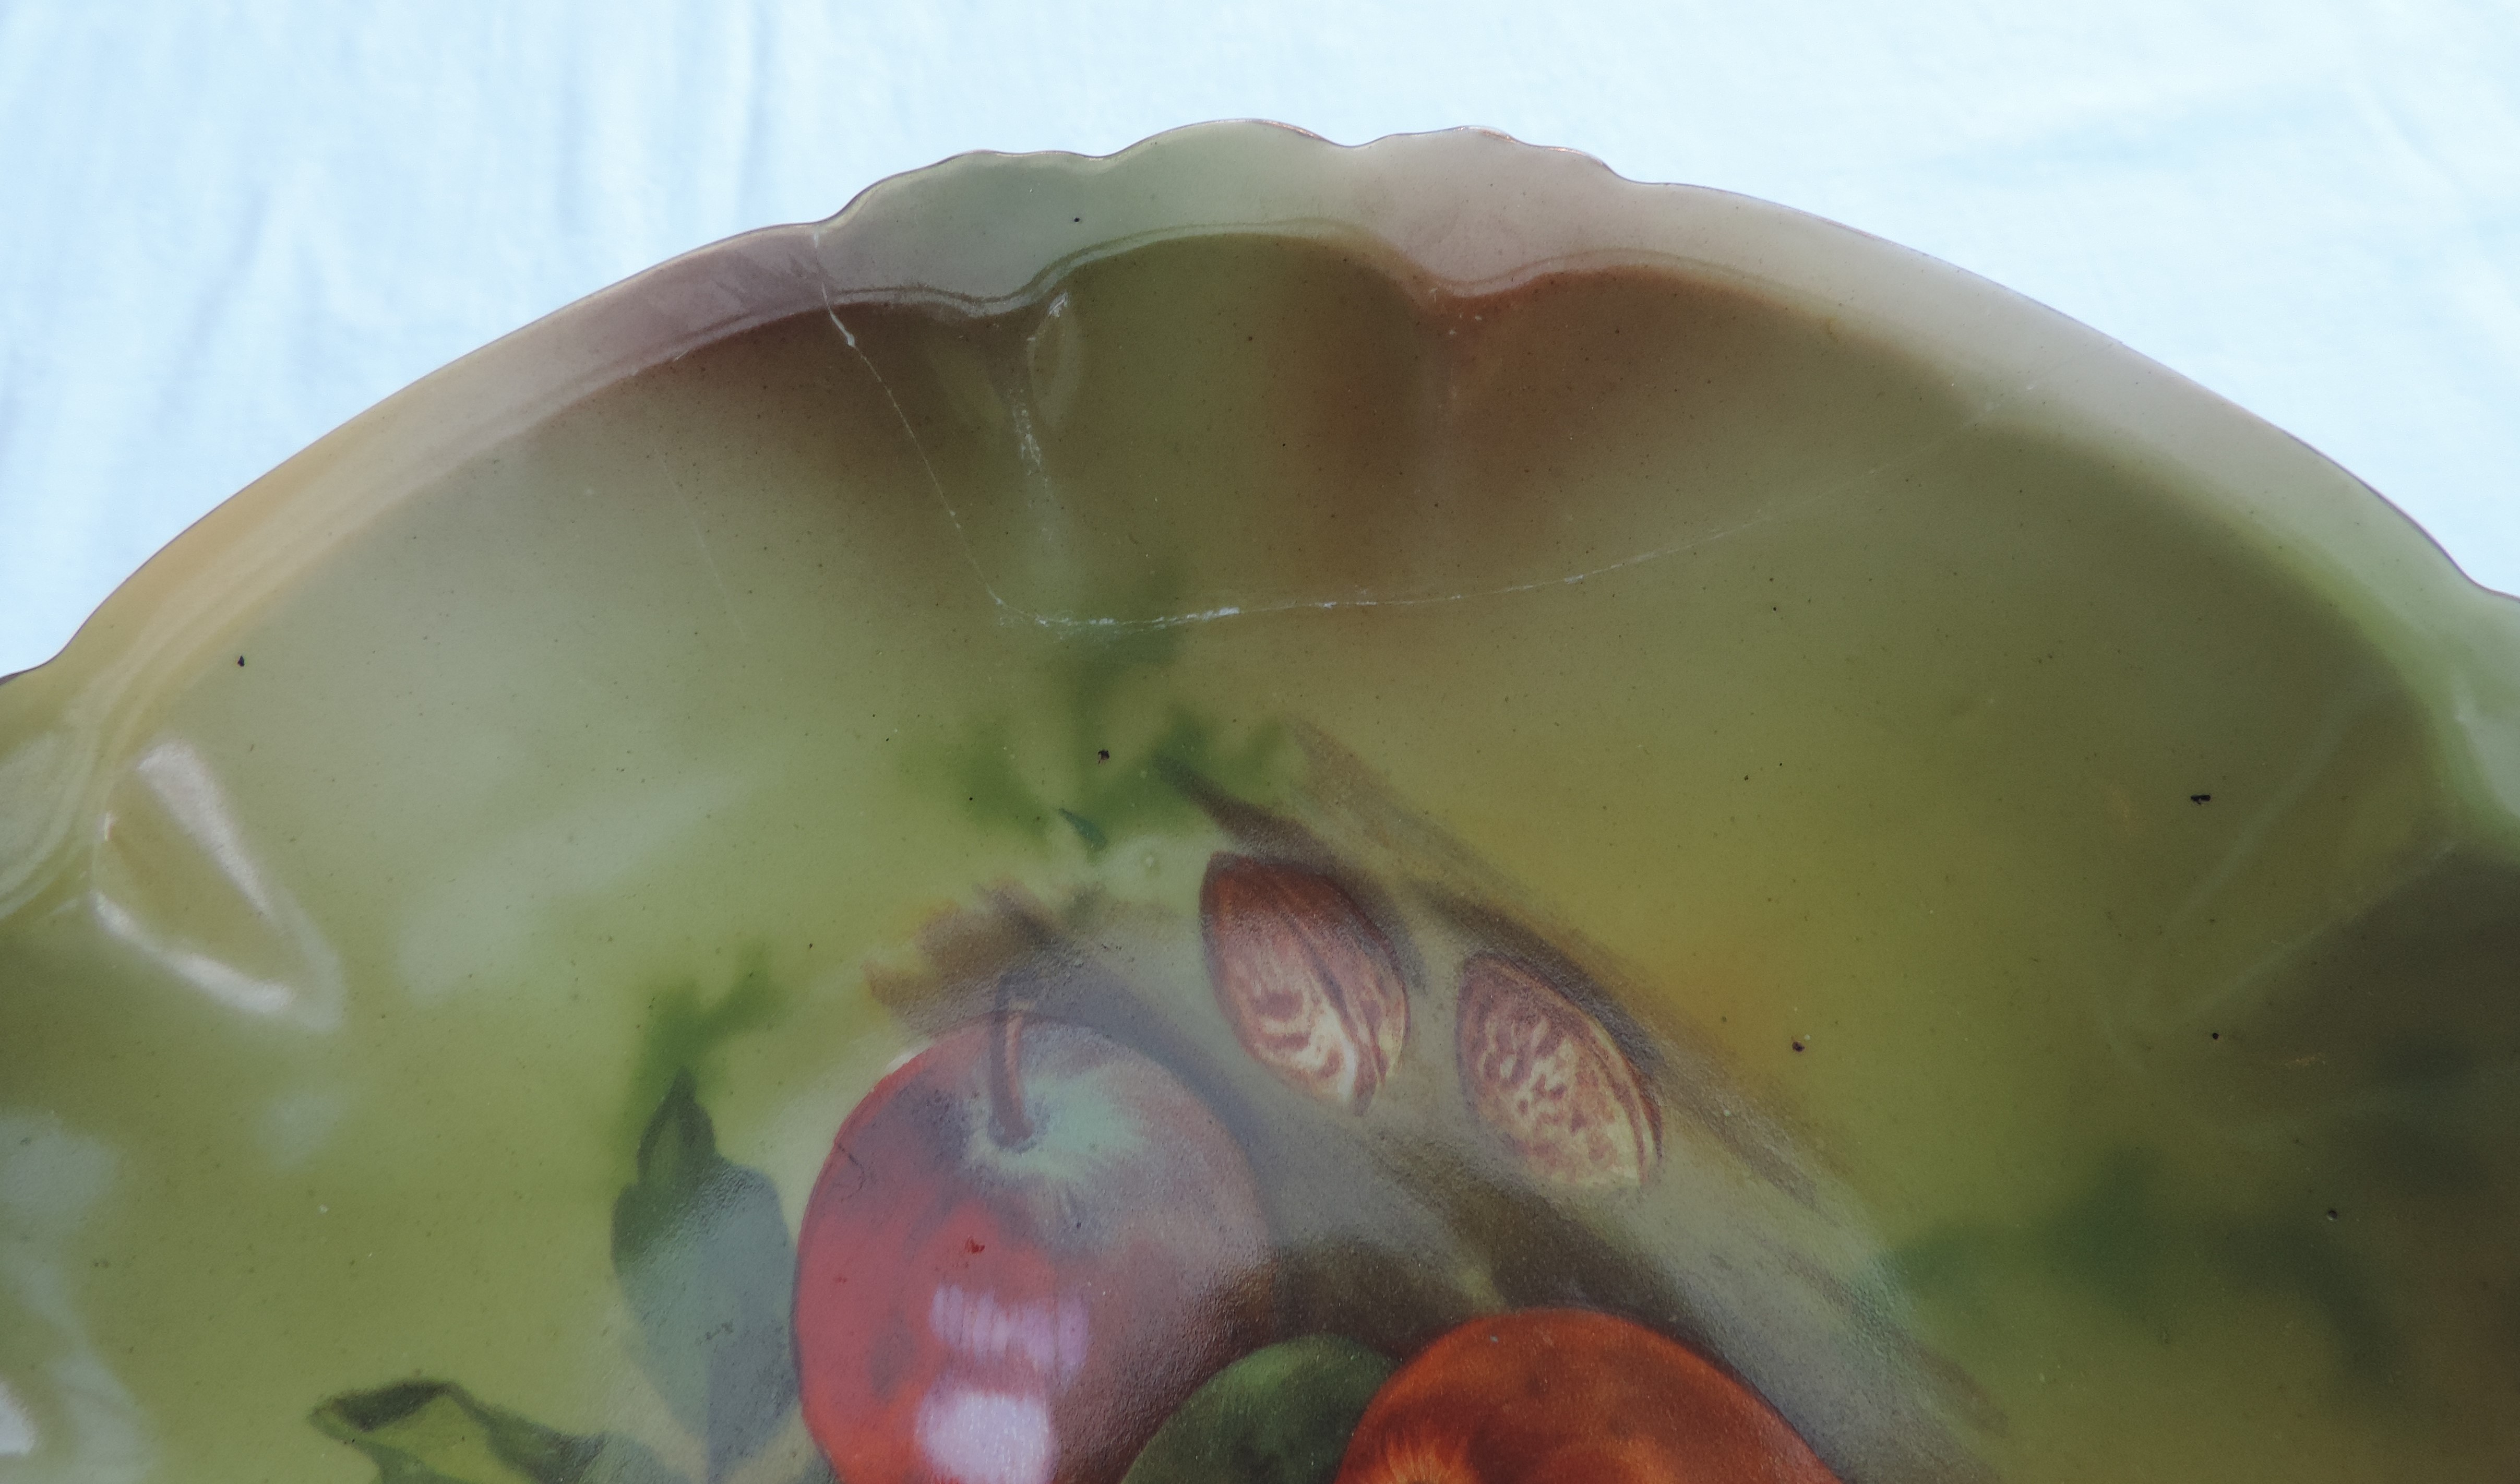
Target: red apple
{"type": "Point", "coordinates": [1028, 1245]}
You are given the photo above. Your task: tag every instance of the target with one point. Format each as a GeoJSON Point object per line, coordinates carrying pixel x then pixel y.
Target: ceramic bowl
{"type": "Point", "coordinates": [1257, 810]}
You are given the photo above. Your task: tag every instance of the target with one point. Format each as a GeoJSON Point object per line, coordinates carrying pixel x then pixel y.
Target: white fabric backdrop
{"type": "Point", "coordinates": [230, 226]}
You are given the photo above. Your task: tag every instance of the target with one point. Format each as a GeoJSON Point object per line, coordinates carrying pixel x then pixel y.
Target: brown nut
{"type": "Point", "coordinates": [1311, 985]}
{"type": "Point", "coordinates": [1547, 1077]}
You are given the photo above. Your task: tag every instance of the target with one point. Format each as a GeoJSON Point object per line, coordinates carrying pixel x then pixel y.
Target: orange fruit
{"type": "Point", "coordinates": [1567, 1396]}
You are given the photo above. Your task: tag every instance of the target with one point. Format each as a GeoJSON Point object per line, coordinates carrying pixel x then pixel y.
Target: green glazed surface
{"type": "Point", "coordinates": [2074, 822]}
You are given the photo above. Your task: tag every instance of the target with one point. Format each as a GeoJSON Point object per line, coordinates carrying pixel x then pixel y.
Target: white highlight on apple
{"type": "Point", "coordinates": [1044, 1338]}
{"type": "Point", "coordinates": [973, 1436]}
{"type": "Point", "coordinates": [17, 1435]}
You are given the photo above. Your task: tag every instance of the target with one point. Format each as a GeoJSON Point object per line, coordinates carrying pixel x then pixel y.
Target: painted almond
{"type": "Point", "coordinates": [1544, 1074]}
{"type": "Point", "coordinates": [1311, 985]}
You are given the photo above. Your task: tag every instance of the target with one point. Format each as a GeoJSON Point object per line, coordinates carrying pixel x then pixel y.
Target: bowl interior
{"type": "Point", "coordinates": [2094, 890]}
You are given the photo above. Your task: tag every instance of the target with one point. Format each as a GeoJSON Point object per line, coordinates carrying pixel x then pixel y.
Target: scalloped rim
{"type": "Point", "coordinates": [1472, 208]}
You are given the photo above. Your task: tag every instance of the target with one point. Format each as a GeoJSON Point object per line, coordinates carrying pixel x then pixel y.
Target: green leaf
{"type": "Point", "coordinates": [1280, 1415]}
{"type": "Point", "coordinates": [685, 1030]}
{"type": "Point", "coordinates": [705, 1259]}
{"type": "Point", "coordinates": [434, 1432]}
{"type": "Point", "coordinates": [1096, 841]}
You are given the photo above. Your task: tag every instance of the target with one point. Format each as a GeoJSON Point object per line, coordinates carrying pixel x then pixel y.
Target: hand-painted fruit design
{"type": "Point", "coordinates": [1564, 1396]}
{"type": "Point", "coordinates": [1549, 1081]}
{"type": "Point", "coordinates": [1028, 1244]}
{"type": "Point", "coordinates": [1281, 1415]}
{"type": "Point", "coordinates": [1312, 986]}
{"type": "Point", "coordinates": [1037, 1252]}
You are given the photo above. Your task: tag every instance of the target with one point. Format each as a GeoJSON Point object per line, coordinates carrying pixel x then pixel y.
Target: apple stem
{"type": "Point", "coordinates": [1008, 1123]}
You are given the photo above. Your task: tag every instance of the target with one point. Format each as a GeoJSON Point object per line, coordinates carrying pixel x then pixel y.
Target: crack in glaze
{"type": "Point", "coordinates": [1107, 624]}
{"type": "Point", "coordinates": [935, 485]}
